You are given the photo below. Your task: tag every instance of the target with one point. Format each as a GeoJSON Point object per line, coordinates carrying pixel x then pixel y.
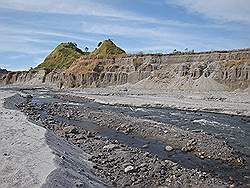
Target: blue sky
{"type": "Point", "coordinates": [30, 29]}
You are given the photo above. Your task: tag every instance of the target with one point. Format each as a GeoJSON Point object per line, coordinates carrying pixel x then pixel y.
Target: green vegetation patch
{"type": "Point", "coordinates": [107, 49]}
{"type": "Point", "coordinates": [61, 57]}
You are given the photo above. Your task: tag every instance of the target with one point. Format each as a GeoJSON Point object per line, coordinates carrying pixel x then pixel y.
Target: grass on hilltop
{"type": "Point", "coordinates": [61, 57]}
{"type": "Point", "coordinates": [65, 54]}
{"type": "Point", "coordinates": [107, 49]}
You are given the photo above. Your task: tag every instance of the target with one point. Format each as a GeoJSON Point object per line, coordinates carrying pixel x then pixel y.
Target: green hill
{"type": "Point", "coordinates": [107, 49]}
{"type": "Point", "coordinates": [61, 57]}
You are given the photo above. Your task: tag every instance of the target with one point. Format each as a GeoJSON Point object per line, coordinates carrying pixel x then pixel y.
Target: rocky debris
{"type": "Point", "coordinates": [174, 137]}
{"type": "Point", "coordinates": [121, 165]}
{"type": "Point", "coordinates": [190, 146]}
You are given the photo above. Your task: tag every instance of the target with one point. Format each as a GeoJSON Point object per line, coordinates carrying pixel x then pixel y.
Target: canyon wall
{"type": "Point", "coordinates": [203, 71]}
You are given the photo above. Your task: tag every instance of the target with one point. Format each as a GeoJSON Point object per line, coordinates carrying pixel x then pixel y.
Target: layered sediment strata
{"type": "Point", "coordinates": [217, 70]}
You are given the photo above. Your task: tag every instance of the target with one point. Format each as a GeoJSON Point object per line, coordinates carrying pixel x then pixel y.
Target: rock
{"type": "Point", "coordinates": [70, 129]}
{"type": "Point", "coordinates": [80, 136]}
{"type": "Point", "coordinates": [196, 130]}
{"type": "Point", "coordinates": [90, 134]}
{"type": "Point", "coordinates": [79, 184]}
{"type": "Point", "coordinates": [169, 148]}
{"type": "Point", "coordinates": [146, 154]}
{"type": "Point", "coordinates": [29, 97]}
{"type": "Point", "coordinates": [68, 115]}
{"type": "Point", "coordinates": [111, 146]}
{"type": "Point", "coordinates": [128, 169]}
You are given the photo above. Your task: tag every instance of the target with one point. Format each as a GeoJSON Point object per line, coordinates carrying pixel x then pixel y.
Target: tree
{"type": "Point", "coordinates": [86, 49]}
{"type": "Point", "coordinates": [72, 43]}
{"type": "Point", "coordinates": [99, 44]}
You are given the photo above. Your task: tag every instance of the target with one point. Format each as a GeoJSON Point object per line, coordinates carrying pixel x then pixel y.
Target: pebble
{"type": "Point", "coordinates": [128, 169]}
{"type": "Point", "coordinates": [169, 148]}
{"type": "Point", "coordinates": [79, 184]}
{"type": "Point", "coordinates": [111, 146]}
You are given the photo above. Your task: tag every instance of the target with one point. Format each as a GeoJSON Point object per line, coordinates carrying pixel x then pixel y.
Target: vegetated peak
{"type": "Point", "coordinates": [61, 57]}
{"type": "Point", "coordinates": [107, 48]}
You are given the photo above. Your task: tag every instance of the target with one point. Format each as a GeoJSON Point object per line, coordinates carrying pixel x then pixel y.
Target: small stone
{"type": "Point", "coordinates": [90, 134]}
{"type": "Point", "coordinates": [70, 129]}
{"type": "Point", "coordinates": [128, 169]}
{"type": "Point", "coordinates": [68, 115]}
{"type": "Point", "coordinates": [145, 146]}
{"type": "Point", "coordinates": [169, 148]}
{"type": "Point", "coordinates": [79, 184]}
{"type": "Point", "coordinates": [111, 146]}
{"type": "Point", "coordinates": [196, 131]}
{"type": "Point", "coordinates": [146, 154]}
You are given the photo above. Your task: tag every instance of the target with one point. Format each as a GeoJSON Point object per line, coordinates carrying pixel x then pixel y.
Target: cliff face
{"type": "Point", "coordinates": [203, 71]}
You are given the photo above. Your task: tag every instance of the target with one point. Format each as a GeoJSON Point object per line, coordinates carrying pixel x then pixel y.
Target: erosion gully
{"type": "Point", "coordinates": [231, 128]}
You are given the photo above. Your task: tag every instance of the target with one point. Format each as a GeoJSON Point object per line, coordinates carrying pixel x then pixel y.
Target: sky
{"type": "Point", "coordinates": [30, 29]}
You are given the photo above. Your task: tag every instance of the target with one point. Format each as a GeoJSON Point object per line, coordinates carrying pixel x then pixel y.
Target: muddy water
{"type": "Point", "coordinates": [234, 129]}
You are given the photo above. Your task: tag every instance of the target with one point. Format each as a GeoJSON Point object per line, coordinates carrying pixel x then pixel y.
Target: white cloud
{"type": "Point", "coordinates": [4, 66]}
{"type": "Point", "coordinates": [72, 7]}
{"type": "Point", "coordinates": [32, 41]}
{"type": "Point", "coordinates": [224, 10]}
{"type": "Point", "coordinates": [159, 38]}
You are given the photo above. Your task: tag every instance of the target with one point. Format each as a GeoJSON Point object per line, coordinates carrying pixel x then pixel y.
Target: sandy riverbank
{"type": "Point", "coordinates": [25, 160]}
{"type": "Point", "coordinates": [35, 157]}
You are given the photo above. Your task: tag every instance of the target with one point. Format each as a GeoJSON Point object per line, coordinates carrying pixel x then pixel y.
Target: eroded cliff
{"type": "Point", "coordinates": [196, 71]}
